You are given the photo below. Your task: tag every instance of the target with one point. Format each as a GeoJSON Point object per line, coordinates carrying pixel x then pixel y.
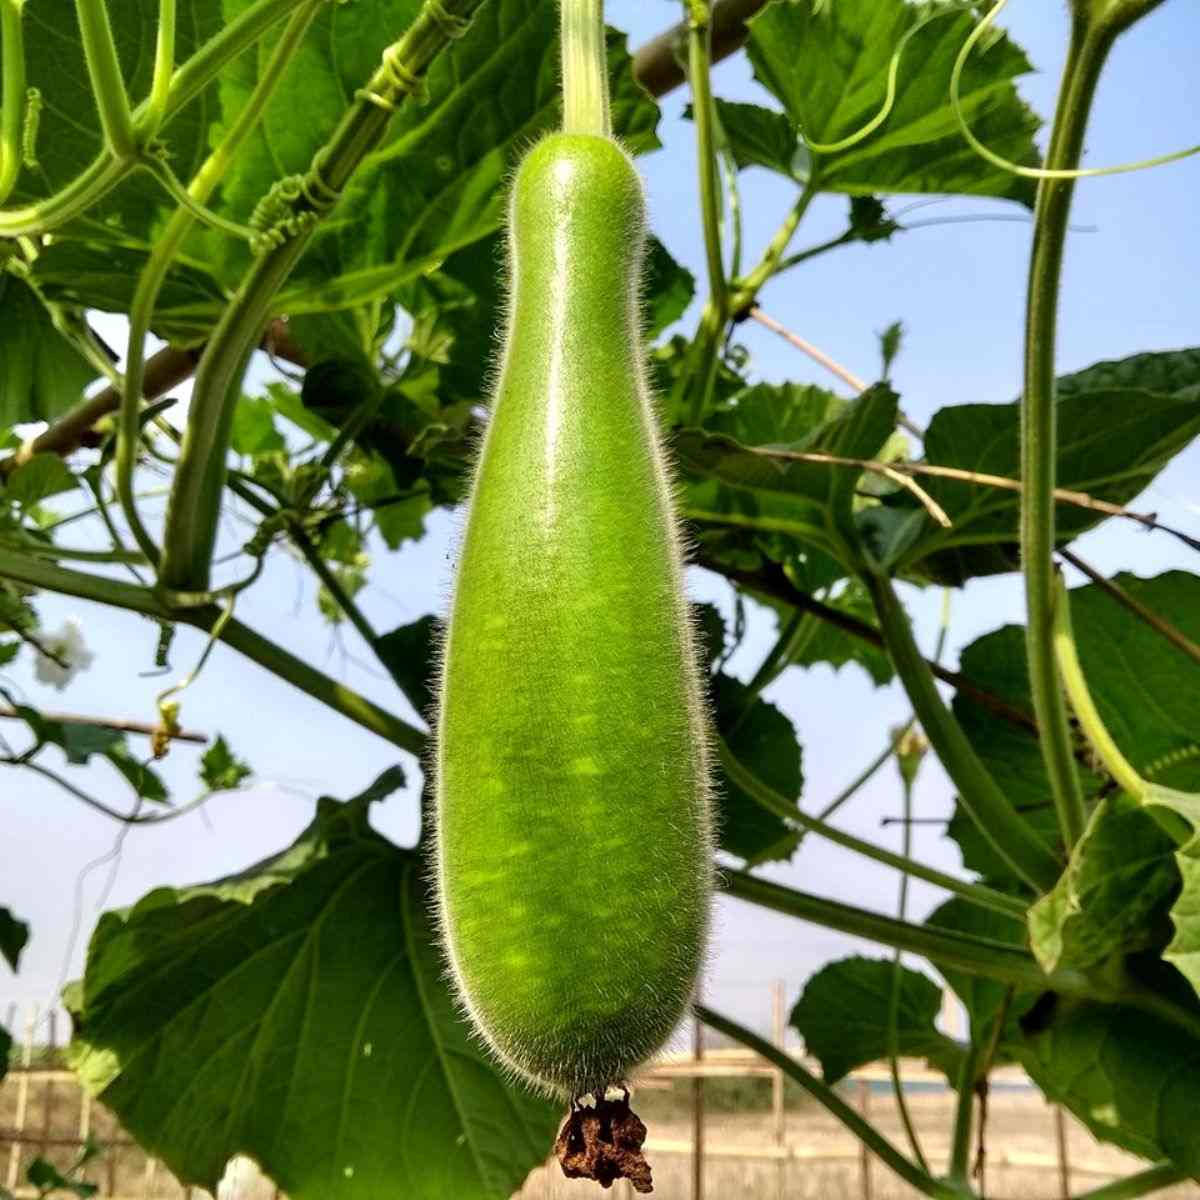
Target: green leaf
{"type": "Point", "coordinates": [46, 1176]}
{"type": "Point", "coordinates": [69, 136]}
{"type": "Point", "coordinates": [764, 741]}
{"type": "Point", "coordinates": [821, 642]}
{"type": "Point", "coordinates": [104, 276]}
{"type": "Point", "coordinates": [298, 1013]}
{"type": "Point", "coordinates": [761, 137]}
{"type": "Point", "coordinates": [776, 414]}
{"type": "Point", "coordinates": [41, 373]}
{"type": "Point", "coordinates": [667, 290]}
{"type": "Point", "coordinates": [843, 1017]}
{"type": "Point", "coordinates": [13, 936]}
{"type": "Point", "coordinates": [1113, 896]}
{"type": "Point", "coordinates": [829, 70]}
{"type": "Point", "coordinates": [9, 651]}
{"type": "Point", "coordinates": [1133, 1079]}
{"type": "Point", "coordinates": [220, 769]}
{"type": "Point", "coordinates": [995, 662]}
{"type": "Point", "coordinates": [1147, 693]}
{"type": "Point", "coordinates": [1119, 424]}
{"type": "Point", "coordinates": [810, 501]}
{"type": "Point", "coordinates": [79, 741]}
{"type": "Point", "coordinates": [254, 429]}
{"type": "Point", "coordinates": [38, 478]}
{"type": "Point", "coordinates": [984, 998]}
{"type": "Point", "coordinates": [408, 654]}
{"type": "Point", "coordinates": [438, 183]}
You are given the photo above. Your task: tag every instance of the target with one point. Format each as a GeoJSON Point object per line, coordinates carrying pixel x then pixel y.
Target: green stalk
{"type": "Point", "coordinates": [748, 287]}
{"type": "Point", "coordinates": [192, 77]}
{"type": "Point", "coordinates": [108, 88]}
{"type": "Point", "coordinates": [860, 781]}
{"type": "Point", "coordinates": [975, 955]}
{"type": "Point", "coordinates": [164, 68]}
{"type": "Point", "coordinates": [12, 100]}
{"type": "Point", "coordinates": [1144, 1183]}
{"type": "Point", "coordinates": [1092, 724]}
{"type": "Point", "coordinates": [704, 116]}
{"type": "Point", "coordinates": [1009, 835]}
{"type": "Point", "coordinates": [960, 1146]}
{"type": "Point", "coordinates": [194, 506]}
{"type": "Point", "coordinates": [167, 246]}
{"type": "Point", "coordinates": [117, 594]}
{"type": "Point", "coordinates": [769, 799]}
{"type": "Point", "coordinates": [834, 1104]}
{"type": "Point", "coordinates": [584, 68]}
{"type": "Point", "coordinates": [893, 1018]}
{"type": "Point", "coordinates": [1085, 60]}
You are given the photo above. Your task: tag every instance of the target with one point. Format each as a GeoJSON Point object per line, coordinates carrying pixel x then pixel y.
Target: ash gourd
{"type": "Point", "coordinates": [574, 826]}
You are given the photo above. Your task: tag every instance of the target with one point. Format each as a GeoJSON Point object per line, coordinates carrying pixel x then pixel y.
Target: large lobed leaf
{"type": "Point", "coordinates": [1119, 424]}
{"type": "Point", "coordinates": [298, 1013]}
{"type": "Point", "coordinates": [1126, 884]}
{"type": "Point", "coordinates": [843, 1017]}
{"type": "Point", "coordinates": [827, 65]}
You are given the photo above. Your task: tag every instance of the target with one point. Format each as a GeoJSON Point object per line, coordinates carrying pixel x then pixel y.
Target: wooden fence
{"type": "Point", "coordinates": [45, 1113]}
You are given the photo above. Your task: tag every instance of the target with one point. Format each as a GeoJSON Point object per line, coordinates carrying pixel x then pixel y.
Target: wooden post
{"type": "Point", "coordinates": [864, 1155]}
{"type": "Point", "coordinates": [14, 1153]}
{"type": "Point", "coordinates": [778, 1030]}
{"type": "Point", "coordinates": [697, 1114]}
{"type": "Point", "coordinates": [1064, 1161]}
{"type": "Point", "coordinates": [148, 1178]}
{"type": "Point", "coordinates": [48, 1087]}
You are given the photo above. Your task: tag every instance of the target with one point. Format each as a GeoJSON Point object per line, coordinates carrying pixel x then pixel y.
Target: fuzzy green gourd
{"type": "Point", "coordinates": [574, 826]}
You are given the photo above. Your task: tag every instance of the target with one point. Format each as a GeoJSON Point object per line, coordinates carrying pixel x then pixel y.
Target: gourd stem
{"type": "Point", "coordinates": [166, 247]}
{"type": "Point", "coordinates": [1133, 1187]}
{"type": "Point", "coordinates": [106, 171]}
{"type": "Point", "coordinates": [1010, 835]}
{"type": "Point", "coordinates": [950, 948]}
{"type": "Point", "coordinates": [893, 1017]}
{"type": "Point", "coordinates": [1085, 60]}
{"type": "Point", "coordinates": [23, 568]}
{"type": "Point", "coordinates": [828, 1098]}
{"type": "Point", "coordinates": [104, 71]}
{"type": "Point", "coordinates": [12, 100]}
{"type": "Point", "coordinates": [194, 506]}
{"type": "Point", "coordinates": [164, 68]}
{"type": "Point", "coordinates": [704, 117]}
{"type": "Point", "coordinates": [771, 801]}
{"type": "Point", "coordinates": [960, 1146]}
{"type": "Point", "coordinates": [1090, 721]}
{"type": "Point", "coordinates": [584, 68]}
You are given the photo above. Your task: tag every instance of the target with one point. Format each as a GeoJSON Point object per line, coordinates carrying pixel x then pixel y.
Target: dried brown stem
{"type": "Point", "coordinates": [114, 723]}
{"type": "Point", "coordinates": [1062, 495]}
{"type": "Point", "coordinates": [831, 365]}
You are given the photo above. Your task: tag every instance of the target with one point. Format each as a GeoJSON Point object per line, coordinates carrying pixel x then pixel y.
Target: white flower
{"type": "Point", "coordinates": [70, 655]}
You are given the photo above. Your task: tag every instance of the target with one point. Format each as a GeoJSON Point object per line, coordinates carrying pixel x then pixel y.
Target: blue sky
{"type": "Point", "coordinates": [1129, 286]}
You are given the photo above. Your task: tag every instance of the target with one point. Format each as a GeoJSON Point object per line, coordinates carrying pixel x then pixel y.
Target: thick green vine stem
{"type": "Point", "coordinates": [104, 72]}
{"type": "Point", "coordinates": [164, 68]}
{"type": "Point", "coordinates": [167, 246]}
{"type": "Point", "coordinates": [12, 98]}
{"type": "Point", "coordinates": [770, 800]}
{"type": "Point", "coordinates": [105, 171]}
{"type": "Point", "coordinates": [833, 1103]}
{"type": "Point", "coordinates": [1011, 837]}
{"type": "Point", "coordinates": [25, 569]}
{"type": "Point", "coordinates": [704, 115]}
{"type": "Point", "coordinates": [195, 502]}
{"type": "Point", "coordinates": [584, 68]}
{"type": "Point", "coordinates": [1090, 44]}
{"type": "Point", "coordinates": [1133, 1187]}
